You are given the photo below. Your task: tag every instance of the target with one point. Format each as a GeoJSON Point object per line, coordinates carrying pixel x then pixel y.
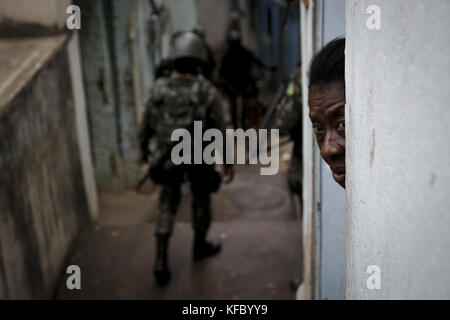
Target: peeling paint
{"type": "Point", "coordinates": [43, 202]}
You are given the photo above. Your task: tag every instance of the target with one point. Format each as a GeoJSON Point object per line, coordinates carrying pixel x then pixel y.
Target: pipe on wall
{"type": "Point", "coordinates": [134, 63]}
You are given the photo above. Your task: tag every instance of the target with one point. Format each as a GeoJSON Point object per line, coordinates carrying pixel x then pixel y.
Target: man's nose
{"type": "Point", "coordinates": [331, 147]}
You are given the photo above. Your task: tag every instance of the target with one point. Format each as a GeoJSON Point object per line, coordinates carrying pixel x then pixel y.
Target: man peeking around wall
{"type": "Point", "coordinates": [326, 100]}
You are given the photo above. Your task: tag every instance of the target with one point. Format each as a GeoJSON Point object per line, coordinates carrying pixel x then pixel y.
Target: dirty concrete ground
{"type": "Point", "coordinates": [254, 217]}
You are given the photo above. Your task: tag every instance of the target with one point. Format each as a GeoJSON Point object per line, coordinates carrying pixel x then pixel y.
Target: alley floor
{"type": "Point", "coordinates": [254, 217]}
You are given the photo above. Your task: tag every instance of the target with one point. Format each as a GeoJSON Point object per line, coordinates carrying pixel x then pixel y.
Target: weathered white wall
{"type": "Point", "coordinates": [185, 15]}
{"type": "Point", "coordinates": [214, 16]}
{"type": "Point", "coordinates": [43, 12]}
{"type": "Point", "coordinates": [310, 160]}
{"type": "Point", "coordinates": [330, 25]}
{"type": "Point", "coordinates": [43, 200]}
{"type": "Point", "coordinates": [323, 199]}
{"type": "Point", "coordinates": [79, 97]}
{"type": "Point", "coordinates": [398, 149]}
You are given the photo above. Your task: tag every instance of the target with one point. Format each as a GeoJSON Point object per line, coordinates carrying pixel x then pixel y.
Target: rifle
{"type": "Point", "coordinates": [142, 181]}
{"type": "Point", "coordinates": [266, 123]}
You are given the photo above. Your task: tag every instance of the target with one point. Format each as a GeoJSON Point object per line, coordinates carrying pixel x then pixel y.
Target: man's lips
{"type": "Point", "coordinates": [339, 174]}
{"type": "Point", "coordinates": [339, 177]}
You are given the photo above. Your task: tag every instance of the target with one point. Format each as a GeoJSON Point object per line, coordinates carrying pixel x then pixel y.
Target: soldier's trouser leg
{"type": "Point", "coordinates": [201, 209]}
{"type": "Point", "coordinates": [201, 206]}
{"type": "Point", "coordinates": [168, 204]}
{"type": "Point", "coordinates": [161, 267]}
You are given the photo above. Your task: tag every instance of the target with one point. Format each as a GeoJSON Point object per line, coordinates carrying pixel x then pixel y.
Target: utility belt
{"type": "Point", "coordinates": [203, 176]}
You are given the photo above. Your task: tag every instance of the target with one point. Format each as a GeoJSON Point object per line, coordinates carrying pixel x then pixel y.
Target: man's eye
{"type": "Point", "coordinates": [341, 125]}
{"type": "Point", "coordinates": [318, 129]}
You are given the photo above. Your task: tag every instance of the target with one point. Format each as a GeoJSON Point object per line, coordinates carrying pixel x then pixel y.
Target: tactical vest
{"type": "Point", "coordinates": [176, 104]}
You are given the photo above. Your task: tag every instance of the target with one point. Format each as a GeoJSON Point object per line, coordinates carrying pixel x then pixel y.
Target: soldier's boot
{"type": "Point", "coordinates": [161, 269]}
{"type": "Point", "coordinates": [204, 249]}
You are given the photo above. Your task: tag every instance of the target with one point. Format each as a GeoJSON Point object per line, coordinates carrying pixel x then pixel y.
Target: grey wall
{"type": "Point", "coordinates": [25, 17]}
{"type": "Point", "coordinates": [398, 150]}
{"type": "Point", "coordinates": [118, 73]}
{"type": "Point", "coordinates": [119, 58]}
{"type": "Point", "coordinates": [101, 98]}
{"type": "Point", "coordinates": [323, 199]}
{"type": "Point", "coordinates": [48, 12]}
{"type": "Point", "coordinates": [42, 195]}
{"type": "Point", "coordinates": [79, 97]}
{"type": "Point", "coordinates": [185, 14]}
{"type": "Point", "coordinates": [311, 190]}
{"type": "Point", "coordinates": [331, 24]}
{"type": "Point", "coordinates": [214, 16]}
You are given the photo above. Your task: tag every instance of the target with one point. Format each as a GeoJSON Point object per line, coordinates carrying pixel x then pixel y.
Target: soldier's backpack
{"type": "Point", "coordinates": [175, 106]}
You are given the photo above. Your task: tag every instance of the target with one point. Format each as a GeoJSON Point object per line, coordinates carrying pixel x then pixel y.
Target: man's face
{"type": "Point", "coordinates": [327, 114]}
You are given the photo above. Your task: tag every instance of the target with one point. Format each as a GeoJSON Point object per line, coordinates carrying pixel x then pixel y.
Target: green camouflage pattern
{"type": "Point", "coordinates": [173, 103]}
{"type": "Point", "coordinates": [169, 202]}
{"type": "Point", "coordinates": [288, 119]}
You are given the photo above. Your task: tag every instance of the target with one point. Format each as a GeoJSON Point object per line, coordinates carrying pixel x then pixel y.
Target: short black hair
{"type": "Point", "coordinates": [328, 65]}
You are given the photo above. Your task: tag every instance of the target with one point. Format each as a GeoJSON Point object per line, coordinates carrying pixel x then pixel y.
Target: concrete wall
{"type": "Point", "coordinates": [214, 16]}
{"type": "Point", "coordinates": [32, 17]}
{"type": "Point", "coordinates": [119, 57]}
{"type": "Point", "coordinates": [323, 199]}
{"type": "Point", "coordinates": [310, 161]}
{"type": "Point", "coordinates": [185, 14]}
{"type": "Point", "coordinates": [118, 61]}
{"type": "Point", "coordinates": [331, 24]}
{"type": "Point", "coordinates": [398, 150]}
{"type": "Point", "coordinates": [82, 126]}
{"type": "Point", "coordinates": [42, 193]}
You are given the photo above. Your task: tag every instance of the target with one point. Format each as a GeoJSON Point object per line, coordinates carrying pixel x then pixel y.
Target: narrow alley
{"type": "Point", "coordinates": [74, 105]}
{"type": "Point", "coordinates": [224, 150]}
{"type": "Point", "coordinates": [254, 217]}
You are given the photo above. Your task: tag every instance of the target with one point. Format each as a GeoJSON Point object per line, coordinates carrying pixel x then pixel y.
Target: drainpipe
{"type": "Point", "coordinates": [134, 65]}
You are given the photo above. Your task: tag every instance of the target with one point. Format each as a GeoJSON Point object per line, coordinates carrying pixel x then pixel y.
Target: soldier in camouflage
{"type": "Point", "coordinates": [176, 102]}
{"type": "Point", "coordinates": [288, 119]}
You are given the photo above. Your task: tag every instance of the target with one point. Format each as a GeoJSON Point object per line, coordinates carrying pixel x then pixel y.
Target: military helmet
{"type": "Point", "coordinates": [200, 31]}
{"type": "Point", "coordinates": [188, 45]}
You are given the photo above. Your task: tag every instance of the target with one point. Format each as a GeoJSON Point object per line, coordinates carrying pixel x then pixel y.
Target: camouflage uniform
{"type": "Point", "coordinates": [288, 120]}
{"type": "Point", "coordinates": [172, 105]}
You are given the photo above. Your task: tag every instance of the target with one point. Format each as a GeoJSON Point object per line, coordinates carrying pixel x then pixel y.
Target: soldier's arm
{"type": "Point", "coordinates": [146, 130]}
{"type": "Point", "coordinates": [217, 118]}
{"type": "Point", "coordinates": [217, 111]}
